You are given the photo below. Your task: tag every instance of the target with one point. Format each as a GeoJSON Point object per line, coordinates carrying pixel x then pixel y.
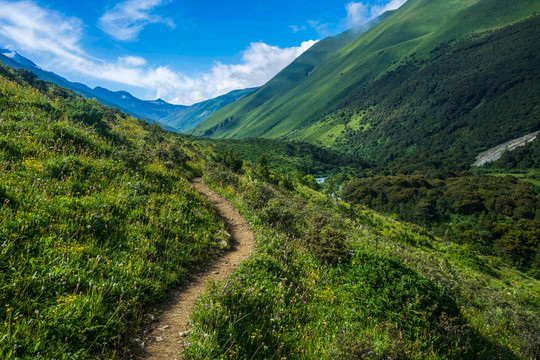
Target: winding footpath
{"type": "Point", "coordinates": [164, 340]}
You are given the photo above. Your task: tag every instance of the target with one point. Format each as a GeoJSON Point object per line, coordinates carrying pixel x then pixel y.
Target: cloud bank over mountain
{"type": "Point", "coordinates": [38, 30]}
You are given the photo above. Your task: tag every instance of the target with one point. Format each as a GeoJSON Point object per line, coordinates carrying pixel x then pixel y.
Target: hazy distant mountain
{"type": "Point", "coordinates": [18, 61]}
{"type": "Point", "coordinates": [174, 117]}
{"type": "Point", "coordinates": [191, 116]}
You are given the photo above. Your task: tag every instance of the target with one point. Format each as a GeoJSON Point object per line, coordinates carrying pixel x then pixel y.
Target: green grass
{"type": "Point", "coordinates": [97, 222]}
{"type": "Point", "coordinates": [329, 280]}
{"type": "Point", "coordinates": [415, 29]}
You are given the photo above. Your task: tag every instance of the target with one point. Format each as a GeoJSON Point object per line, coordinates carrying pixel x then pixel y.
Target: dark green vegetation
{"type": "Point", "coordinates": [492, 215]}
{"type": "Point", "coordinates": [434, 83]}
{"type": "Point", "coordinates": [447, 109]}
{"type": "Point", "coordinates": [289, 157]}
{"type": "Point", "coordinates": [97, 220]}
{"type": "Point", "coordinates": [330, 280]}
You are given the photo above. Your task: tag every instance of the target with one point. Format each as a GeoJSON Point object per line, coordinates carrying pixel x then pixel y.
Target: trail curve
{"type": "Point", "coordinates": [164, 339]}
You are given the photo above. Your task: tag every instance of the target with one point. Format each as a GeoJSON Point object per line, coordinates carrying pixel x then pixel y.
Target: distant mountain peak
{"type": "Point", "coordinates": [157, 110]}
{"type": "Point", "coordinates": [15, 56]}
{"type": "Point", "coordinates": [160, 101]}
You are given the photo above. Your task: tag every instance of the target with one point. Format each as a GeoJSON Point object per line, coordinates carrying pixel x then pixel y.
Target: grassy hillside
{"type": "Point", "coordinates": [289, 78]}
{"type": "Point", "coordinates": [411, 32]}
{"type": "Point", "coordinates": [331, 280]}
{"type": "Point", "coordinates": [97, 221]}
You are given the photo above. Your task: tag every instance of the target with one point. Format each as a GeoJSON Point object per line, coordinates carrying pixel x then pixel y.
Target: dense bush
{"type": "Point", "coordinates": [442, 111]}
{"type": "Point", "coordinates": [494, 215]}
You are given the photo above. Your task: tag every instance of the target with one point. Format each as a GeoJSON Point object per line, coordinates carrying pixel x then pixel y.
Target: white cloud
{"type": "Point", "coordinates": [132, 61]}
{"type": "Point", "coordinates": [360, 13]}
{"type": "Point", "coordinates": [56, 38]}
{"type": "Point", "coordinates": [296, 28]}
{"type": "Point", "coordinates": [127, 19]}
{"type": "Point", "coordinates": [321, 29]}
{"type": "Point", "coordinates": [260, 62]}
{"type": "Point", "coordinates": [34, 28]}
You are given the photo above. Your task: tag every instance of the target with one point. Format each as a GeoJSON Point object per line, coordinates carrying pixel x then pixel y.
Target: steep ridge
{"type": "Point", "coordinates": [443, 111]}
{"type": "Point", "coordinates": [294, 74]}
{"type": "Point", "coordinates": [414, 30]}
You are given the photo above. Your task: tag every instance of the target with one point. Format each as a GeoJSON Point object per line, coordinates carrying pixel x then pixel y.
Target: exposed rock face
{"type": "Point", "coordinates": [495, 153]}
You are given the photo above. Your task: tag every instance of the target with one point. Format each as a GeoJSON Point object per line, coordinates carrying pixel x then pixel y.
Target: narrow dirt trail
{"type": "Point", "coordinates": [164, 340]}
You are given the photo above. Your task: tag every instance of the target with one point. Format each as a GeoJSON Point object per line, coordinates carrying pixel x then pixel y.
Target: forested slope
{"type": "Point", "coordinates": [442, 112]}
{"type": "Point", "coordinates": [412, 32]}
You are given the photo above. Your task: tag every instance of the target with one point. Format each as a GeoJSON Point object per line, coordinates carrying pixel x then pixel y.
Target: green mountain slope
{"type": "Point", "coordinates": [189, 117]}
{"type": "Point", "coordinates": [293, 75]}
{"type": "Point", "coordinates": [445, 110]}
{"type": "Point", "coordinates": [414, 30]}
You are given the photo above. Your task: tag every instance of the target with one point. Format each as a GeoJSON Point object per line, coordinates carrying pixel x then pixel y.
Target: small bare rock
{"type": "Point", "coordinates": [152, 317]}
{"type": "Point", "coordinates": [183, 333]}
{"type": "Point", "coordinates": [164, 328]}
{"type": "Point", "coordinates": [159, 339]}
{"type": "Point", "coordinates": [223, 243]}
{"type": "Point", "coordinates": [216, 272]}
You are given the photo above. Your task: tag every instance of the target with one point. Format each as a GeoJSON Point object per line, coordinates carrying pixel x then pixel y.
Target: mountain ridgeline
{"type": "Point", "coordinates": [434, 80]}
{"type": "Point", "coordinates": [293, 75]}
{"type": "Point", "coordinates": [190, 116]}
{"type": "Point", "coordinates": [172, 117]}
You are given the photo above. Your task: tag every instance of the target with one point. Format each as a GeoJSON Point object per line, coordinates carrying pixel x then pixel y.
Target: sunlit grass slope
{"type": "Point", "coordinates": [332, 280]}
{"type": "Point", "coordinates": [416, 29]}
{"type": "Point", "coordinates": [97, 220]}
{"type": "Point", "coordinates": [296, 73]}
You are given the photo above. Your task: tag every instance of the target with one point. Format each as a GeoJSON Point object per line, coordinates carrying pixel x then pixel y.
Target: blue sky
{"type": "Point", "coordinates": [183, 51]}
